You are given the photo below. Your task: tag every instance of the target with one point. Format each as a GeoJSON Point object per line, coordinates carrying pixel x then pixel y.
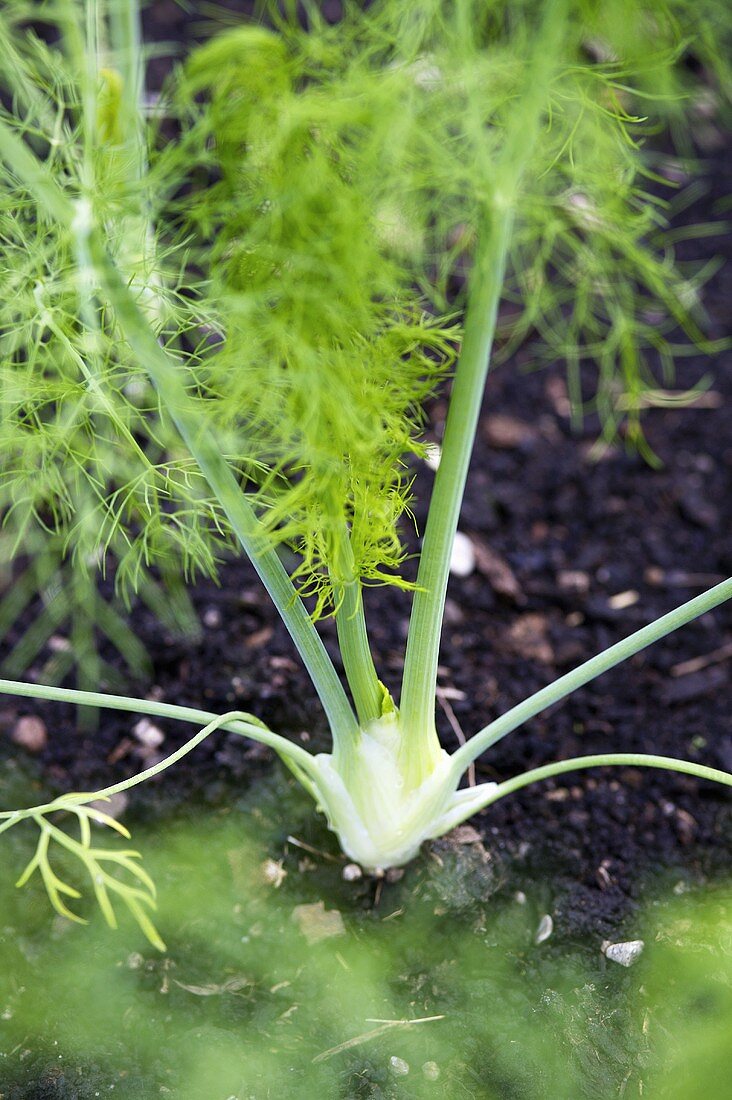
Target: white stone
{"type": "Point", "coordinates": [545, 929]}
{"type": "Point", "coordinates": [398, 1066]}
{"type": "Point", "coordinates": [148, 734]}
{"type": "Point", "coordinates": [625, 953]}
{"type": "Point", "coordinates": [462, 559]}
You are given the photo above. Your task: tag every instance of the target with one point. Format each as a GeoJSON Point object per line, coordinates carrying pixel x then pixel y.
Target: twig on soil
{"type": "Point", "coordinates": [696, 664]}
{"type": "Point", "coordinates": [455, 726]}
{"type": "Point", "coordinates": [384, 1027]}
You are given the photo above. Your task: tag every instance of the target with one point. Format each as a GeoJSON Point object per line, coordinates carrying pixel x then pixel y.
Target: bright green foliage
{"type": "Point", "coordinates": [326, 356]}
{"type": "Point", "coordinates": [277, 242]}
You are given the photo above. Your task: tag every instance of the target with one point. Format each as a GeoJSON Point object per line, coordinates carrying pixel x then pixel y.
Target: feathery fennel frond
{"type": "Point", "coordinates": [296, 241]}
{"type": "Point", "coordinates": [103, 866]}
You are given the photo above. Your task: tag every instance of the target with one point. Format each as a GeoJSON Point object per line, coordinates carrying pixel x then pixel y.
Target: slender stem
{"type": "Point", "coordinates": [423, 641]}
{"type": "Point", "coordinates": [565, 685]}
{"type": "Point", "coordinates": [356, 653]}
{"type": "Point", "coordinates": [125, 40]}
{"type": "Point", "coordinates": [486, 281]}
{"type": "Point", "coordinates": [166, 375]}
{"type": "Point", "coordinates": [243, 723]}
{"type": "Point", "coordinates": [628, 759]}
{"type": "Point", "coordinates": [353, 636]}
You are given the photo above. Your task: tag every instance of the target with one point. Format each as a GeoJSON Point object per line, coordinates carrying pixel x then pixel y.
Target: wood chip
{"type": "Point", "coordinates": [318, 923]}
{"type": "Point", "coordinates": [529, 637]}
{"type": "Point", "coordinates": [231, 985]}
{"type": "Point", "coordinates": [507, 433]}
{"type": "Point", "coordinates": [30, 733]}
{"type": "Point", "coordinates": [696, 664]}
{"type": "Point", "coordinates": [622, 600]}
{"type": "Point", "coordinates": [432, 456]}
{"type": "Point", "coordinates": [499, 573]}
{"type": "Point", "coordinates": [398, 1066]}
{"type": "Point", "coordinates": [695, 685]}
{"type": "Point", "coordinates": [259, 638]}
{"type": "Point", "coordinates": [573, 580]}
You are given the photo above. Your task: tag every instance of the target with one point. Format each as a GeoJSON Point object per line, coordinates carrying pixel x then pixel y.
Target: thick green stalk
{"type": "Point", "coordinates": [569, 683]}
{"type": "Point", "coordinates": [353, 637]}
{"type": "Point", "coordinates": [165, 373]}
{"type": "Point", "coordinates": [486, 281]}
{"type": "Point", "coordinates": [417, 705]}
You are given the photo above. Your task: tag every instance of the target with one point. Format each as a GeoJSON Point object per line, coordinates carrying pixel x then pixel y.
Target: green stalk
{"type": "Point", "coordinates": [601, 760]}
{"type": "Point", "coordinates": [486, 282]}
{"type": "Point", "coordinates": [126, 49]}
{"type": "Point", "coordinates": [242, 723]}
{"type": "Point", "coordinates": [166, 375]}
{"type": "Point", "coordinates": [417, 705]}
{"type": "Point", "coordinates": [569, 683]}
{"type": "Point", "coordinates": [353, 638]}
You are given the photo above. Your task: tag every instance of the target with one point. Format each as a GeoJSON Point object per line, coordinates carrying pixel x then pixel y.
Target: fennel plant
{"type": "Point", "coordinates": [224, 311]}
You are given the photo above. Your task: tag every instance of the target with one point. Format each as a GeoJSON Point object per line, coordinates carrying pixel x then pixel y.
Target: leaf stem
{"type": "Point", "coordinates": [165, 372]}
{"type": "Point", "coordinates": [486, 282]}
{"type": "Point", "coordinates": [353, 636]}
{"type": "Point", "coordinates": [575, 679]}
{"type": "Point", "coordinates": [235, 722]}
{"type": "Point", "coordinates": [601, 760]}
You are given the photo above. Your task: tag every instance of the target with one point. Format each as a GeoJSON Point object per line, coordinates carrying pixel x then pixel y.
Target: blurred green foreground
{"type": "Point", "coordinates": [282, 979]}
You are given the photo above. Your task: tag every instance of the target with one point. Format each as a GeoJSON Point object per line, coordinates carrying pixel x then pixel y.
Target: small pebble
{"type": "Point", "coordinates": [352, 872]}
{"type": "Point", "coordinates": [273, 873]}
{"type": "Point", "coordinates": [622, 600]}
{"type": "Point", "coordinates": [462, 559]}
{"type": "Point", "coordinates": [30, 733]}
{"type": "Point", "coordinates": [431, 1071]}
{"type": "Point", "coordinates": [545, 929]}
{"type": "Point", "coordinates": [212, 617]}
{"type": "Point", "coordinates": [398, 1066]}
{"type": "Point", "coordinates": [624, 953]}
{"type": "Point", "coordinates": [148, 734]}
